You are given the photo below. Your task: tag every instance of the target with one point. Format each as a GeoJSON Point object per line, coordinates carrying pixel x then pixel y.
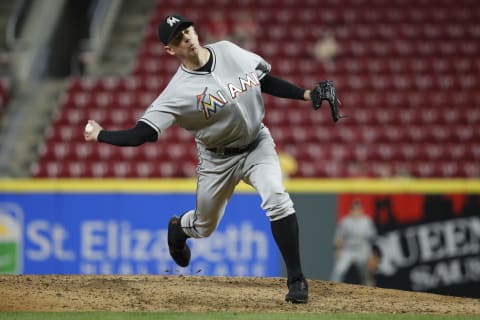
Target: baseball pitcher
{"type": "Point", "coordinates": [216, 94]}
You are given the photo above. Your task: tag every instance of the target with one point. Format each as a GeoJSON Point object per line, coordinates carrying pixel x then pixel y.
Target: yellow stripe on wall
{"type": "Point", "coordinates": [293, 185]}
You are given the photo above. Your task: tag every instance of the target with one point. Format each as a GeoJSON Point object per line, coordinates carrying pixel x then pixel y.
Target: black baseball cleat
{"type": "Point", "coordinates": [297, 291]}
{"type": "Point", "coordinates": [179, 251]}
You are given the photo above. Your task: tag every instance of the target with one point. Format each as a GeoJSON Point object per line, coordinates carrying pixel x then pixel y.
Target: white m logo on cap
{"type": "Point", "coordinates": [171, 21]}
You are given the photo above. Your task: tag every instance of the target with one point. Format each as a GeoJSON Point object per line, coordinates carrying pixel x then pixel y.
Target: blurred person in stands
{"type": "Point", "coordinates": [83, 59]}
{"type": "Point", "coordinates": [288, 163]}
{"type": "Point", "coordinates": [326, 48]}
{"type": "Point", "coordinates": [353, 242]}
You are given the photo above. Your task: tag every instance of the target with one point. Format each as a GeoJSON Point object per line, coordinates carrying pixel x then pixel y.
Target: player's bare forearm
{"type": "Point", "coordinates": [306, 95]}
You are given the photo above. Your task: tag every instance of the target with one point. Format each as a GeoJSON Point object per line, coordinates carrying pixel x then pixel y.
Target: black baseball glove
{"type": "Point", "coordinates": [325, 90]}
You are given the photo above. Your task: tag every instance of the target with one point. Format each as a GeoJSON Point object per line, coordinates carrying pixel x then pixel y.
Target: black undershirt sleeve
{"type": "Point", "coordinates": [281, 88]}
{"type": "Point", "coordinates": [132, 137]}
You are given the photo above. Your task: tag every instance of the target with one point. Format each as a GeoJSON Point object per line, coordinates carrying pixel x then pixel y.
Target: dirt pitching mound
{"type": "Point", "coordinates": [205, 294]}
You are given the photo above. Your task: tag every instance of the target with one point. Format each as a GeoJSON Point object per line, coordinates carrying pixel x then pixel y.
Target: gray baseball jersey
{"type": "Point", "coordinates": [357, 233]}
{"type": "Point", "coordinates": [223, 108]}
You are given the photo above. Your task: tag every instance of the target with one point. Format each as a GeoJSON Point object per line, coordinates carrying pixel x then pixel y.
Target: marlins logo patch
{"type": "Point", "coordinates": [209, 104]}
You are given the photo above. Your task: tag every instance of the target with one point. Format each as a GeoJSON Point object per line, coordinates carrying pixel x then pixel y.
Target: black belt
{"type": "Point", "coordinates": [231, 151]}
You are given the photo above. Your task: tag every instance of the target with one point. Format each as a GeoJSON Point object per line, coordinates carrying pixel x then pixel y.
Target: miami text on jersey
{"type": "Point", "coordinates": [208, 103]}
{"type": "Point", "coordinates": [249, 82]}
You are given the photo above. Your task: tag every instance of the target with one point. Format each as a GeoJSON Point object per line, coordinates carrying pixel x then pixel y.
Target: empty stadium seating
{"type": "Point", "coordinates": [407, 74]}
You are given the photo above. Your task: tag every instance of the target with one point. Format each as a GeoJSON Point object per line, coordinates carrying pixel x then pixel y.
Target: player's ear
{"type": "Point", "coordinates": [169, 50]}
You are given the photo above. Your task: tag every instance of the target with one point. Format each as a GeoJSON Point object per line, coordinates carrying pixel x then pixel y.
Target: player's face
{"type": "Point", "coordinates": [185, 43]}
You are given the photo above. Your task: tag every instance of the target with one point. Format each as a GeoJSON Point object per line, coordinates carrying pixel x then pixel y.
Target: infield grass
{"type": "Point", "coordinates": [218, 316]}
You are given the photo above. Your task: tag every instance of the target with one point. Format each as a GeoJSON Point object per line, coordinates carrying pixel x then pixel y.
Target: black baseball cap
{"type": "Point", "coordinates": [170, 26]}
